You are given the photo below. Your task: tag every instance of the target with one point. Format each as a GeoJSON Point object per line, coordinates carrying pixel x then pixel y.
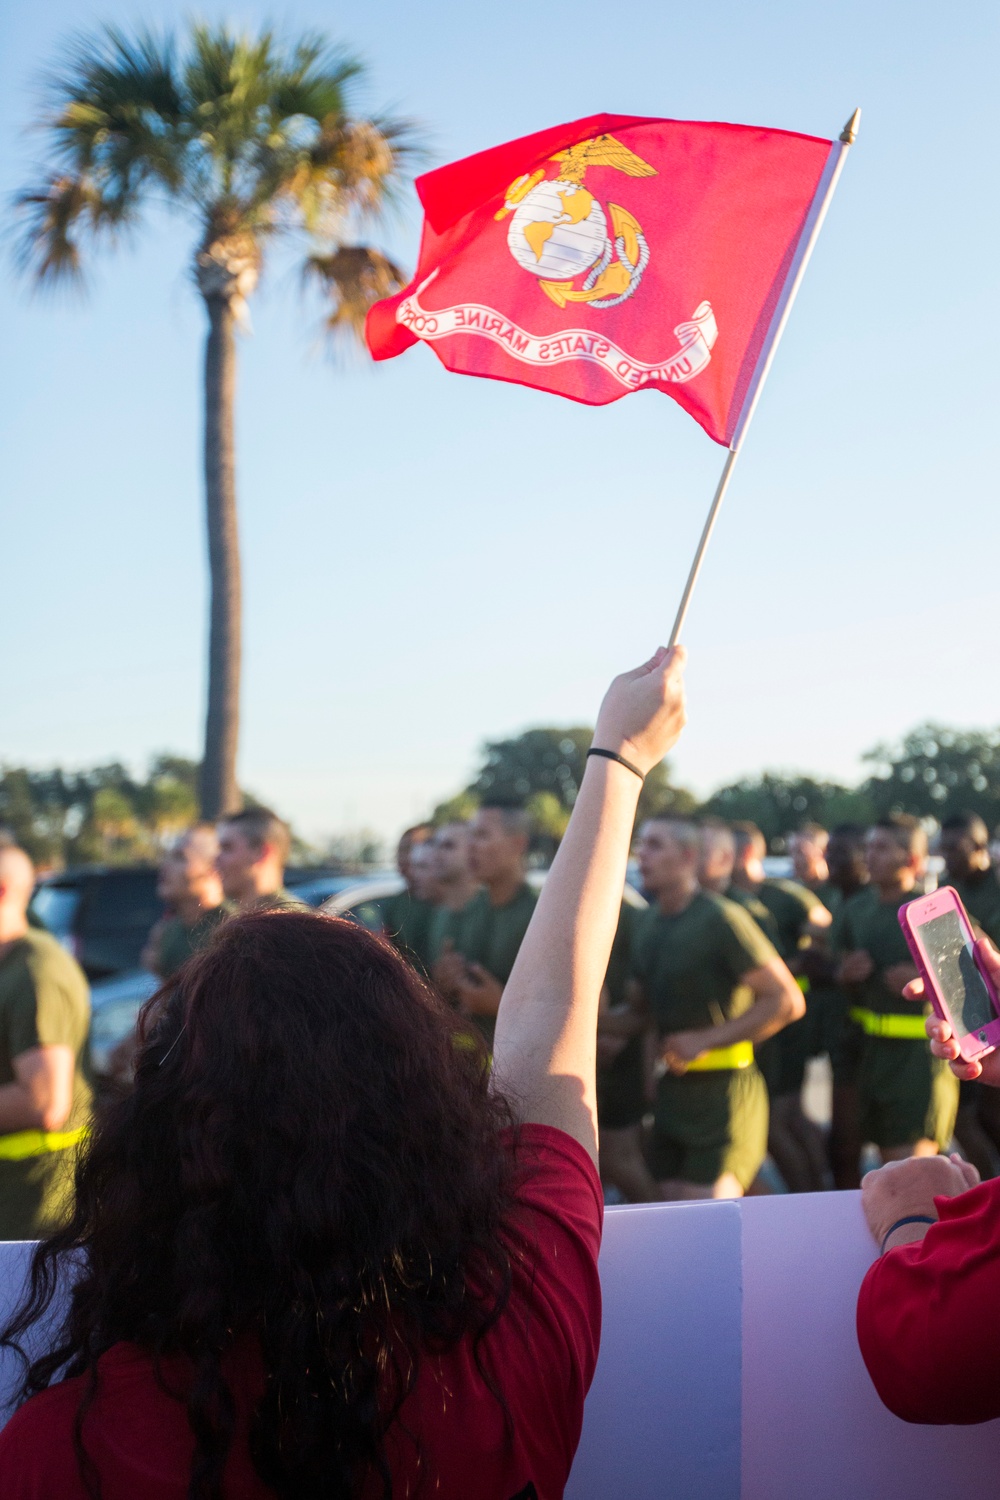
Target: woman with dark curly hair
{"type": "Point", "coordinates": [322, 1250]}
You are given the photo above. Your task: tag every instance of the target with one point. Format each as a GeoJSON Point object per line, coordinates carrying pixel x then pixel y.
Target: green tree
{"type": "Point", "coordinates": [936, 771]}
{"type": "Point", "coordinates": [778, 804]}
{"type": "Point", "coordinates": [102, 814]}
{"type": "Point", "coordinates": [257, 141]}
{"type": "Point", "coordinates": [542, 769]}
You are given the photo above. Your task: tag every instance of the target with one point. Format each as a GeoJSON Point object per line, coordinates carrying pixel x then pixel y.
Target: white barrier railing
{"type": "Point", "coordinates": [729, 1366]}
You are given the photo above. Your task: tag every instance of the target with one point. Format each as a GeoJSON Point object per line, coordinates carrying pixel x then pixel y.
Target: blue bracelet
{"type": "Point", "coordinates": [910, 1219]}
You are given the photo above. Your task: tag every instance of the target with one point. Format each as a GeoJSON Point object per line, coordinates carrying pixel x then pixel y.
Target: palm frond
{"type": "Point", "coordinates": [353, 277]}
{"type": "Point", "coordinates": [55, 216]}
{"type": "Point", "coordinates": [256, 136]}
{"type": "Point", "coordinates": [116, 108]}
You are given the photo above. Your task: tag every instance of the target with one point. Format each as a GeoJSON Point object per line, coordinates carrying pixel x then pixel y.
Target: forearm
{"type": "Point", "coordinates": [544, 1050]}
{"type": "Point", "coordinates": [767, 1015]}
{"type": "Point", "coordinates": [19, 1110]}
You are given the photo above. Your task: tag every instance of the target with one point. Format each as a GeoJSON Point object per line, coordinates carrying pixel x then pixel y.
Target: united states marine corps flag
{"type": "Point", "coordinates": [618, 254]}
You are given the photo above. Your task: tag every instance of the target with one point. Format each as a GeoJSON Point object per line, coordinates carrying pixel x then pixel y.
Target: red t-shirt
{"type": "Point", "coordinates": [927, 1320]}
{"type": "Point", "coordinates": [543, 1349]}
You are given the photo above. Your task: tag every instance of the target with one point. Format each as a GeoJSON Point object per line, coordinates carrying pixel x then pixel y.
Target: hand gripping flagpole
{"type": "Point", "coordinates": [814, 223]}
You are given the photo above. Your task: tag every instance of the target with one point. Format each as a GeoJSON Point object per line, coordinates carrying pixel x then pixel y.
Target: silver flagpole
{"type": "Point", "coordinates": [821, 203]}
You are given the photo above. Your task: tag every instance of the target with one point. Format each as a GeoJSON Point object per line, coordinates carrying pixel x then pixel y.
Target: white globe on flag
{"type": "Point", "coordinates": [543, 238]}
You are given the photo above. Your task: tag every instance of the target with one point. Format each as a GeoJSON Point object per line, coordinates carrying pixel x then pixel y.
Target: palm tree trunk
{"type": "Point", "coordinates": [219, 791]}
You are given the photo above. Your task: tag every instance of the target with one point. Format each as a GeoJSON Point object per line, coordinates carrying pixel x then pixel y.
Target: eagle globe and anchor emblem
{"type": "Point", "coordinates": [559, 231]}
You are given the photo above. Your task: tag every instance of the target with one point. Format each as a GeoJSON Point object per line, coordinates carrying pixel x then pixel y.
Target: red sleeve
{"type": "Point", "coordinates": [548, 1341]}
{"type": "Point", "coordinates": [925, 1316]}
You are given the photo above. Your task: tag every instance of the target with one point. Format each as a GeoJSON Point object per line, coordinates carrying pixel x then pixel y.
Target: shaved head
{"type": "Point", "coordinates": [17, 878]}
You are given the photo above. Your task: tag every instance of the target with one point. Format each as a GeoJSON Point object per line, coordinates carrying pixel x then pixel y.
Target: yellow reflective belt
{"type": "Point", "coordinates": [24, 1143]}
{"type": "Point", "coordinates": [901, 1028]}
{"type": "Point", "coordinates": [739, 1055]}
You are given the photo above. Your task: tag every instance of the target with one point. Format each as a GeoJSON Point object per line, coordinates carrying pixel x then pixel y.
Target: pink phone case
{"type": "Point", "coordinates": [912, 917]}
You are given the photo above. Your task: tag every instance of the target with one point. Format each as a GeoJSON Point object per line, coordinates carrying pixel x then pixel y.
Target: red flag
{"type": "Point", "coordinates": [614, 254]}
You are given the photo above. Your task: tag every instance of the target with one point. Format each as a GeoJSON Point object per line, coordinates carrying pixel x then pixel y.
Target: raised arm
{"type": "Point", "coordinates": [545, 1045]}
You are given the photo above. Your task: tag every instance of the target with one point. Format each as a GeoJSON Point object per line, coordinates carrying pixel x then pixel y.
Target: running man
{"type": "Point", "coordinates": [907, 1098]}
{"type": "Point", "coordinates": [481, 941]}
{"type": "Point", "coordinates": [794, 918]}
{"type": "Point", "coordinates": [406, 917]}
{"type": "Point", "coordinates": [254, 846]}
{"type": "Point", "coordinates": [190, 887]}
{"type": "Point", "coordinates": [713, 986]}
{"type": "Point", "coordinates": [454, 886]}
{"type": "Point", "coordinates": [45, 1096]}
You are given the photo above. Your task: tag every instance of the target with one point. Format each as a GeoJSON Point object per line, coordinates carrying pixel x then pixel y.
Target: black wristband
{"type": "Point", "coordinates": [613, 755]}
{"type": "Point", "coordinates": [910, 1219]}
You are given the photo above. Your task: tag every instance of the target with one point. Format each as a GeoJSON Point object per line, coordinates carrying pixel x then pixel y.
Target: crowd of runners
{"type": "Point", "coordinates": [723, 987]}
{"type": "Point", "coordinates": [723, 984]}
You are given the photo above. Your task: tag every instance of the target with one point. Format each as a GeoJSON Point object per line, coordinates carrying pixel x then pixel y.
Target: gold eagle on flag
{"type": "Point", "coordinates": [560, 231]}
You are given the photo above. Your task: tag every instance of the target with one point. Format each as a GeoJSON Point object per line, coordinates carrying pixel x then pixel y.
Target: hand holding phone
{"type": "Point", "coordinates": [943, 945]}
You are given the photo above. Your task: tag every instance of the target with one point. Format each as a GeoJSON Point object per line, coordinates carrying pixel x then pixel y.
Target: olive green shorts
{"type": "Point", "coordinates": [905, 1094]}
{"type": "Point", "coordinates": [708, 1124]}
{"type": "Point", "coordinates": [620, 1096]}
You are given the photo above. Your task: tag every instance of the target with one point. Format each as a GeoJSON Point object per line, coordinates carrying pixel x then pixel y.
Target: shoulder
{"type": "Point", "coordinates": [799, 895]}
{"type": "Point", "coordinates": [726, 909]}
{"type": "Point", "coordinates": [734, 921]}
{"type": "Point", "coordinates": [37, 1456]}
{"type": "Point", "coordinates": [45, 960]}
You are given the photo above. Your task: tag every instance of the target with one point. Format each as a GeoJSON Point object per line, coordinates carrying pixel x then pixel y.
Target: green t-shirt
{"type": "Point", "coordinates": [830, 896]}
{"type": "Point", "coordinates": [438, 928]}
{"type": "Point", "coordinates": [44, 1002]}
{"type": "Point", "coordinates": [691, 964]}
{"type": "Point", "coordinates": [407, 921]}
{"type": "Point", "coordinates": [866, 922]}
{"type": "Point", "coordinates": [177, 942]}
{"type": "Point", "coordinates": [791, 905]}
{"type": "Point", "coordinates": [620, 963]}
{"type": "Point", "coordinates": [782, 908]}
{"type": "Point", "coordinates": [761, 914]}
{"type": "Point", "coordinates": [981, 899]}
{"type": "Point", "coordinates": [491, 936]}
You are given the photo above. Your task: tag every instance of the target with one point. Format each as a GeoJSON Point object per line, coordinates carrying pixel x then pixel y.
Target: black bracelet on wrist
{"type": "Point", "coordinates": [910, 1219]}
{"type": "Point", "coordinates": [613, 755]}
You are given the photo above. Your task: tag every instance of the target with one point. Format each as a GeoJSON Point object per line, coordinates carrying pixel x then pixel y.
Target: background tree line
{"type": "Point", "coordinates": [932, 772]}
{"type": "Point", "coordinates": [107, 815]}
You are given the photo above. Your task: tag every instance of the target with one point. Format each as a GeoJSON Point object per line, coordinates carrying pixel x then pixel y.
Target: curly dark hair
{"type": "Point", "coordinates": [310, 1159]}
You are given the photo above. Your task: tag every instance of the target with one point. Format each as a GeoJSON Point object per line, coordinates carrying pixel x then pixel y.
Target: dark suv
{"type": "Point", "coordinates": [102, 915]}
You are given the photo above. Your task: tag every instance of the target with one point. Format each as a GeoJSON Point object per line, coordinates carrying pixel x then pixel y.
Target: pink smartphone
{"type": "Point", "coordinates": [942, 942]}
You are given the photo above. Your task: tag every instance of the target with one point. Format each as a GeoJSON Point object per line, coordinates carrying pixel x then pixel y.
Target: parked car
{"type": "Point", "coordinates": [315, 889]}
{"type": "Point", "coordinates": [101, 914]}
{"type": "Point", "coordinates": [115, 1005]}
{"type": "Point", "coordinates": [361, 900]}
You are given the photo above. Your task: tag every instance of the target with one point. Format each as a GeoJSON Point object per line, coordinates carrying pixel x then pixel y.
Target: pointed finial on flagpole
{"type": "Point", "coordinates": [849, 134]}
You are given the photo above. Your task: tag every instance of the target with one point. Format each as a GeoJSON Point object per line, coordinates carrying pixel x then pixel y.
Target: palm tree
{"type": "Point", "coordinates": [255, 141]}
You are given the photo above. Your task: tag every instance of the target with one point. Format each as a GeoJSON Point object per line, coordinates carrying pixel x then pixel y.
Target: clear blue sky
{"type": "Point", "coordinates": [431, 560]}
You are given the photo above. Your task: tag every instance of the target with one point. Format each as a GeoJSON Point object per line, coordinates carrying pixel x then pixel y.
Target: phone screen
{"type": "Point", "coordinates": [948, 949]}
